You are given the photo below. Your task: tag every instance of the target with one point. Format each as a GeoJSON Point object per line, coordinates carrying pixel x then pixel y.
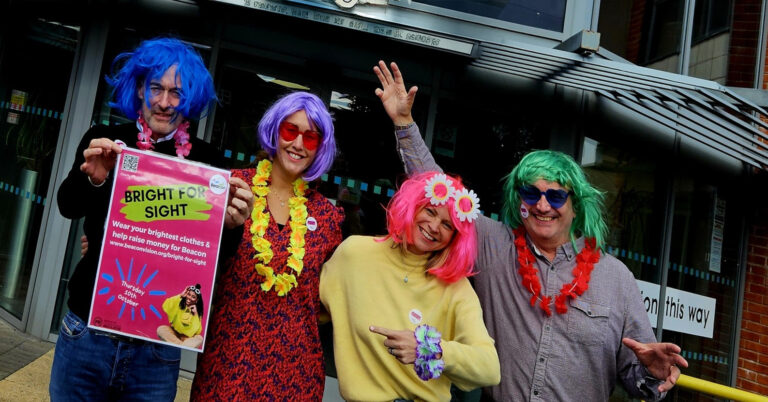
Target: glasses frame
{"type": "Point", "coordinates": [549, 194]}
{"type": "Point", "coordinates": [311, 138]}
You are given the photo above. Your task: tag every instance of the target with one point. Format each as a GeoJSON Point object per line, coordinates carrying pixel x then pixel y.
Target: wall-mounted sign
{"type": "Point", "coordinates": [357, 24]}
{"type": "Point", "coordinates": [352, 3]}
{"type": "Point", "coordinates": [716, 245]}
{"type": "Point", "coordinates": [18, 101]}
{"type": "Point", "coordinates": [684, 312]}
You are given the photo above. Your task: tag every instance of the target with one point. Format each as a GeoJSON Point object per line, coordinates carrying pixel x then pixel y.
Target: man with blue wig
{"type": "Point", "coordinates": [567, 318]}
{"type": "Point", "coordinates": [161, 85]}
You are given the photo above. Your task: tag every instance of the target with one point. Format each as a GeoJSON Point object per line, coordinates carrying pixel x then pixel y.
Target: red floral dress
{"type": "Point", "coordinates": [262, 346]}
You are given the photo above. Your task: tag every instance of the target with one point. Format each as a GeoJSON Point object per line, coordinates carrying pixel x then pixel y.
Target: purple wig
{"type": "Point", "coordinates": [150, 61]}
{"type": "Point", "coordinates": [457, 259]}
{"type": "Point", "coordinates": [317, 114]}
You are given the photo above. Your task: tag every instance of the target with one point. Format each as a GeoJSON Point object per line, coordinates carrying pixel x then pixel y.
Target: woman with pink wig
{"type": "Point", "coordinates": [406, 322]}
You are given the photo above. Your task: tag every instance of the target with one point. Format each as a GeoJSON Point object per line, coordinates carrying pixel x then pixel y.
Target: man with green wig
{"type": "Point", "coordinates": [568, 319]}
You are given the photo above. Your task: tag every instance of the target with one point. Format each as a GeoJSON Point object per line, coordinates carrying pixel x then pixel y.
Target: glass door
{"type": "Point", "coordinates": [35, 66]}
{"type": "Point", "coordinates": [703, 281]}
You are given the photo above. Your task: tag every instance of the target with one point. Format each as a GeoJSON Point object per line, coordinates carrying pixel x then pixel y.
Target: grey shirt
{"type": "Point", "coordinates": [576, 356]}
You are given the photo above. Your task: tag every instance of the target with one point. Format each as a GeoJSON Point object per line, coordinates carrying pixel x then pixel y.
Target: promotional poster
{"type": "Point", "coordinates": [161, 243]}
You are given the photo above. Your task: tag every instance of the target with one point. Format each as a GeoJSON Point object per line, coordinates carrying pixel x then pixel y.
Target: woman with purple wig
{"type": "Point", "coordinates": [263, 338]}
{"type": "Point", "coordinates": [406, 322]}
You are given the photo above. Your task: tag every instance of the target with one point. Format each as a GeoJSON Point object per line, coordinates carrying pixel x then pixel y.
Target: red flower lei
{"type": "Point", "coordinates": [181, 137]}
{"type": "Point", "coordinates": [585, 262]}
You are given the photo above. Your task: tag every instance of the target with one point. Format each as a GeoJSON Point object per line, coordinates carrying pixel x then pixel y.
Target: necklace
{"type": "Point", "coordinates": [181, 137]}
{"type": "Point", "coordinates": [405, 278]}
{"type": "Point", "coordinates": [408, 271]}
{"type": "Point", "coordinates": [585, 261]}
{"type": "Point", "coordinates": [280, 199]}
{"type": "Point", "coordinates": [282, 282]}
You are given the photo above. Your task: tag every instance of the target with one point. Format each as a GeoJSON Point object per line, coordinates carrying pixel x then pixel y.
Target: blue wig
{"type": "Point", "coordinates": [149, 62]}
{"type": "Point", "coordinates": [316, 112]}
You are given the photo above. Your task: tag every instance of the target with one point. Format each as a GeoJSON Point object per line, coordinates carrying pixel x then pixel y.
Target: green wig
{"type": "Point", "coordinates": [558, 167]}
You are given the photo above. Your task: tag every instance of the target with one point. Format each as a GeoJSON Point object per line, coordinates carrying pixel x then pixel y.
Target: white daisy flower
{"type": "Point", "coordinates": [439, 189]}
{"type": "Point", "coordinates": [467, 205]}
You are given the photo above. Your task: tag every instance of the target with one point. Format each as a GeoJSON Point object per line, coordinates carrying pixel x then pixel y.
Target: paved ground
{"type": "Point", "coordinates": [25, 370]}
{"type": "Point", "coordinates": [18, 349]}
{"type": "Point", "coordinates": [25, 367]}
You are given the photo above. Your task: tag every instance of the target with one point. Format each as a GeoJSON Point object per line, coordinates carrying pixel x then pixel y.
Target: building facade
{"type": "Point", "coordinates": [662, 109]}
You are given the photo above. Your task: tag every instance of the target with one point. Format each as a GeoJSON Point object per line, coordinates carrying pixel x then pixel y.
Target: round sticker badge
{"type": "Point", "coordinates": [311, 223]}
{"type": "Point", "coordinates": [523, 211]}
{"type": "Point", "coordinates": [217, 184]}
{"type": "Point", "coordinates": [415, 316]}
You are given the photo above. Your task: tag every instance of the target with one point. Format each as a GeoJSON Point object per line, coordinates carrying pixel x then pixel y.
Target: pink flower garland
{"type": "Point", "coordinates": [585, 262]}
{"type": "Point", "coordinates": [181, 137]}
{"type": "Point", "coordinates": [145, 134]}
{"type": "Point", "coordinates": [182, 140]}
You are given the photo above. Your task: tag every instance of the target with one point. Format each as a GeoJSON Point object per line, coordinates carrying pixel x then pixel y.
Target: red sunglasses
{"type": "Point", "coordinates": [289, 132]}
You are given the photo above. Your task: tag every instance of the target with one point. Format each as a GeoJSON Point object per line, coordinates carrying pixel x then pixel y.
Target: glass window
{"type": "Point", "coordinates": [704, 263]}
{"type": "Point", "coordinates": [726, 35]}
{"type": "Point", "coordinates": [245, 94]}
{"type": "Point", "coordinates": [367, 167]}
{"type": "Point", "coordinates": [35, 67]}
{"type": "Point", "coordinates": [713, 41]}
{"type": "Point", "coordinates": [496, 131]}
{"type": "Point", "coordinates": [710, 18]}
{"type": "Point", "coordinates": [666, 18]}
{"type": "Point", "coordinates": [621, 27]}
{"type": "Point", "coordinates": [646, 33]}
{"type": "Point", "coordinates": [634, 188]}
{"type": "Point", "coordinates": [545, 14]}
{"type": "Point", "coordinates": [634, 205]}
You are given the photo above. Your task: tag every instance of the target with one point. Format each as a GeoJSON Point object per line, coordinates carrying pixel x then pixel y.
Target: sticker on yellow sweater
{"type": "Point", "coordinates": [415, 316]}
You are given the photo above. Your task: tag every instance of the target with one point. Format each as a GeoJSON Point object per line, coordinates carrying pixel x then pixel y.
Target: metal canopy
{"type": "Point", "coordinates": [702, 110]}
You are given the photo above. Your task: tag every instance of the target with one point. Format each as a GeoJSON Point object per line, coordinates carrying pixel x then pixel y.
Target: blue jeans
{"type": "Point", "coordinates": [91, 365]}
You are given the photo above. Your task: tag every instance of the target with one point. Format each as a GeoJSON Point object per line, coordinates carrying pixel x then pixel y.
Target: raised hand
{"type": "Point", "coordinates": [662, 360]}
{"type": "Point", "coordinates": [100, 158]}
{"type": "Point", "coordinates": [400, 344]}
{"type": "Point", "coordinates": [240, 203]}
{"type": "Point", "coordinates": [396, 100]}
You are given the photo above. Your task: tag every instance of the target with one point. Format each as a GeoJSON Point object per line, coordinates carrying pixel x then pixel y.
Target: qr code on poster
{"type": "Point", "coordinates": [130, 163]}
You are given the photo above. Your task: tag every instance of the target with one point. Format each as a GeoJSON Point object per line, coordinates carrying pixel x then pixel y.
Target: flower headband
{"type": "Point", "coordinates": [194, 289]}
{"type": "Point", "coordinates": [439, 189]}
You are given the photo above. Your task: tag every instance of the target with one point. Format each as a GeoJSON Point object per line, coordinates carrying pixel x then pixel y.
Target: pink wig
{"type": "Point", "coordinates": [454, 262]}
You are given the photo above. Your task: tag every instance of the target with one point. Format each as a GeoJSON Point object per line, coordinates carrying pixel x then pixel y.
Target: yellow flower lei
{"type": "Point", "coordinates": [284, 282]}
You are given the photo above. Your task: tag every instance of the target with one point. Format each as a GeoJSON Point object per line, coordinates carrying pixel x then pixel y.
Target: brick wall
{"type": "Point", "coordinates": [753, 350]}
{"type": "Point", "coordinates": [635, 31]}
{"type": "Point", "coordinates": [744, 39]}
{"type": "Point", "coordinates": [752, 374]}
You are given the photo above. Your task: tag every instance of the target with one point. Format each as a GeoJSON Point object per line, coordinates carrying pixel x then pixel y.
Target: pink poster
{"type": "Point", "coordinates": [161, 243]}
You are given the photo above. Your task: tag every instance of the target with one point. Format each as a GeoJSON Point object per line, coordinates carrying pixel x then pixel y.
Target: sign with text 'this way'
{"type": "Point", "coordinates": [684, 312]}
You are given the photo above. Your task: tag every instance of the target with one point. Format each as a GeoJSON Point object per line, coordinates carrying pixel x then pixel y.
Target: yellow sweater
{"type": "Point", "coordinates": [362, 285]}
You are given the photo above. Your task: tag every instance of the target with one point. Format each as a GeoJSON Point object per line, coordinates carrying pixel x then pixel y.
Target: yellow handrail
{"type": "Point", "coordinates": [716, 389]}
